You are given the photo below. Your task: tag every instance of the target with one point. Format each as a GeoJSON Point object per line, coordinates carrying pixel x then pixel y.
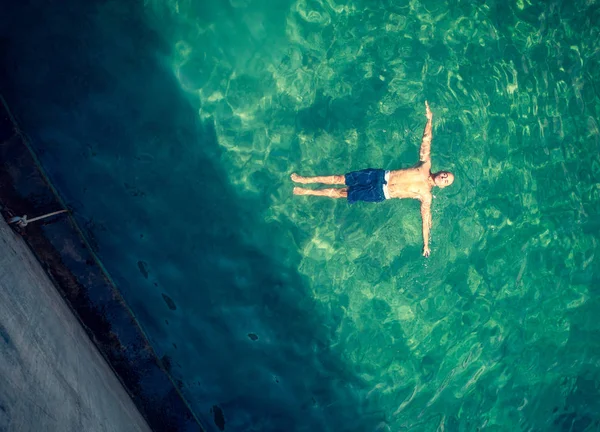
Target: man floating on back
{"type": "Point", "coordinates": [376, 185]}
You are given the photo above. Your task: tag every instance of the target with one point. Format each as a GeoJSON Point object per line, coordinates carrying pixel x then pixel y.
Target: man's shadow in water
{"type": "Point", "coordinates": [126, 149]}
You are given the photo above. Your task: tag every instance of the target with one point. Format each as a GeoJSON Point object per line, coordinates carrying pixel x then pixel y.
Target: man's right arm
{"type": "Point", "coordinates": [425, 154]}
{"type": "Point", "coordinates": [426, 218]}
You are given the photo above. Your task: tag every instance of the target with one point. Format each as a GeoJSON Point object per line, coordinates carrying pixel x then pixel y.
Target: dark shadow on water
{"type": "Point", "coordinates": [126, 150]}
{"type": "Point", "coordinates": [338, 114]}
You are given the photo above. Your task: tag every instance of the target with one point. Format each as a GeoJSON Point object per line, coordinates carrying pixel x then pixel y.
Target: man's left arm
{"type": "Point", "coordinates": [426, 218]}
{"type": "Point", "coordinates": [425, 153]}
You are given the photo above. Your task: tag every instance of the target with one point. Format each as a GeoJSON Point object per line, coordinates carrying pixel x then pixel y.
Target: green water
{"type": "Point", "coordinates": [171, 129]}
{"type": "Point", "coordinates": [498, 329]}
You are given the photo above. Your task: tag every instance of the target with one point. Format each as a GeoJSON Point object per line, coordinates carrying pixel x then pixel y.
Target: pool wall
{"type": "Point", "coordinates": [48, 365]}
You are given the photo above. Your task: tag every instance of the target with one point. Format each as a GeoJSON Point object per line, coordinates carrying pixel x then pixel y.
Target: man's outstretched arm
{"type": "Point", "coordinates": [425, 155]}
{"type": "Point", "coordinates": [426, 217]}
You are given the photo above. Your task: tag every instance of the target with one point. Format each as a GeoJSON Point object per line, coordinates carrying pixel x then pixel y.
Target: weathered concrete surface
{"type": "Point", "coordinates": [52, 378]}
{"type": "Point", "coordinates": [59, 246]}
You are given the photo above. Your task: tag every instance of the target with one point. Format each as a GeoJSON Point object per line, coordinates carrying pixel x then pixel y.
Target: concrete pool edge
{"type": "Point", "coordinates": [42, 349]}
{"type": "Point", "coordinates": [64, 253]}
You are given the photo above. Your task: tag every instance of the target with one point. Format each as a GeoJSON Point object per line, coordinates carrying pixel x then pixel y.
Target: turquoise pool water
{"type": "Point", "coordinates": [172, 129]}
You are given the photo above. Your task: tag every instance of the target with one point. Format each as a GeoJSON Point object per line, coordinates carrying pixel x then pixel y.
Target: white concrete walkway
{"type": "Point", "coordinates": [52, 378]}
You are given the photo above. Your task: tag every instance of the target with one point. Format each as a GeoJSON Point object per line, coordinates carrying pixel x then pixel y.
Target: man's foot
{"type": "Point", "coordinates": [299, 191]}
{"type": "Point", "coordinates": [297, 179]}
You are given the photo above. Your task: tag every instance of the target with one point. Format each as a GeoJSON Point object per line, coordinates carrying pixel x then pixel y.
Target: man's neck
{"type": "Point", "coordinates": [430, 180]}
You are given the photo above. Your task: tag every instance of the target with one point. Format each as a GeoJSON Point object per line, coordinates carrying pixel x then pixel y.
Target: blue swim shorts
{"type": "Point", "coordinates": [366, 185]}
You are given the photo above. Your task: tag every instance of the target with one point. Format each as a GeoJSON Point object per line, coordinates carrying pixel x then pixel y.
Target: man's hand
{"type": "Point", "coordinates": [426, 252]}
{"type": "Point", "coordinates": [428, 113]}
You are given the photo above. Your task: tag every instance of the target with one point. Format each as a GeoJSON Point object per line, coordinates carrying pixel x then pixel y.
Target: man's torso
{"type": "Point", "coordinates": [410, 183]}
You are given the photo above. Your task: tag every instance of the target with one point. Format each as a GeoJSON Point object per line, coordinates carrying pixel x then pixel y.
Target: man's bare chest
{"type": "Point", "coordinates": [409, 184]}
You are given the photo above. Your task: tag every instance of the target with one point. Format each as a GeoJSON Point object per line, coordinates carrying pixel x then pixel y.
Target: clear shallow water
{"type": "Point", "coordinates": [172, 130]}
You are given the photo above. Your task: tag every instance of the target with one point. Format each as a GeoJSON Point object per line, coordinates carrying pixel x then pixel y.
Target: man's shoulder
{"type": "Point", "coordinates": [426, 198]}
{"type": "Point", "coordinates": [425, 165]}
{"type": "Point", "coordinates": [413, 169]}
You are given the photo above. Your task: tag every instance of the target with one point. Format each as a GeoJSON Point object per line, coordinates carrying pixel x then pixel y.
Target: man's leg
{"type": "Point", "coordinates": [331, 193]}
{"type": "Point", "coordinates": [332, 180]}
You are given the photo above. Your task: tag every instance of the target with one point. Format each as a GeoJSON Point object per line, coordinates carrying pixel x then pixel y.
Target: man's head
{"type": "Point", "coordinates": [443, 179]}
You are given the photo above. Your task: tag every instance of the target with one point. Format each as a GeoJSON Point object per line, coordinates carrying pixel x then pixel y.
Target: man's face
{"type": "Point", "coordinates": [443, 179]}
